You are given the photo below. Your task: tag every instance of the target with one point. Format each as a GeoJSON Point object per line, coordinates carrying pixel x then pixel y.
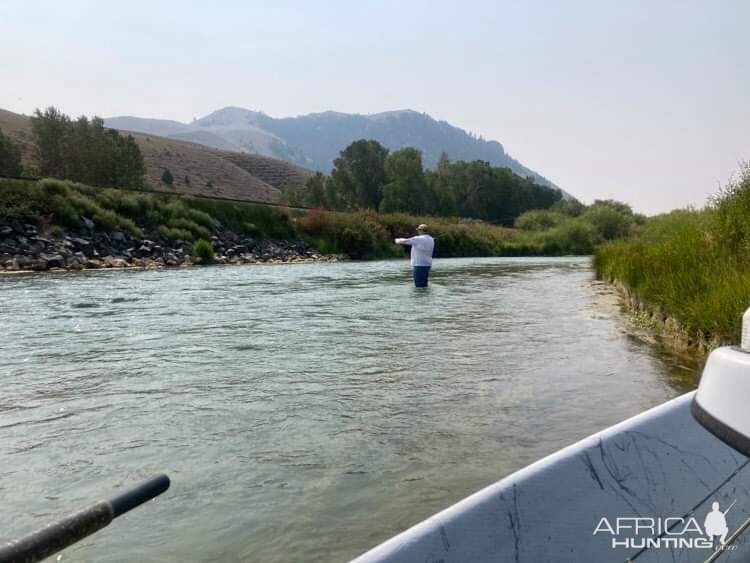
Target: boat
{"type": "Point", "coordinates": [671, 484]}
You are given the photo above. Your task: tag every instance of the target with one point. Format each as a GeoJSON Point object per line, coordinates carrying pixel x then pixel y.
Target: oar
{"type": "Point", "coordinates": [59, 535]}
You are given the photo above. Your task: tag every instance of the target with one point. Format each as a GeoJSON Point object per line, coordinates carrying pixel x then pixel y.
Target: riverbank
{"type": "Point", "coordinates": [24, 248]}
{"type": "Point", "coordinates": [688, 271]}
{"type": "Point", "coordinates": [662, 328]}
{"type": "Point", "coordinates": [59, 222]}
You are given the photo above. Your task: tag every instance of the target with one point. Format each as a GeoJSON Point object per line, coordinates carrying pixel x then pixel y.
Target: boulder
{"type": "Point", "coordinates": [53, 260]}
{"type": "Point", "coordinates": [119, 263]}
{"type": "Point", "coordinates": [39, 265]}
{"type": "Point", "coordinates": [12, 265]}
{"type": "Point", "coordinates": [81, 243]}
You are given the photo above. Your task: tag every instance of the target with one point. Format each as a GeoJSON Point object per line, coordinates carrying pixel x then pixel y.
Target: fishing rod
{"type": "Point", "coordinates": [63, 533]}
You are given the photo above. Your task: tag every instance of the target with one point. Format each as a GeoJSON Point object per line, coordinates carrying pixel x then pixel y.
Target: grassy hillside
{"type": "Point", "coordinates": [197, 170]}
{"type": "Point", "coordinates": [282, 175]}
{"type": "Point", "coordinates": [201, 171]}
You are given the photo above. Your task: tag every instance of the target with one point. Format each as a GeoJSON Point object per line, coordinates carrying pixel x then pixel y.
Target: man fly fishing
{"type": "Point", "coordinates": [422, 247]}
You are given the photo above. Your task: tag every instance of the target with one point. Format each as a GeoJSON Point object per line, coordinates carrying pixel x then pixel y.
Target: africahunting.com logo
{"type": "Point", "coordinates": [670, 533]}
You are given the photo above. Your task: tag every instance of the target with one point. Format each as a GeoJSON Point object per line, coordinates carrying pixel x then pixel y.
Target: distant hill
{"type": "Point", "coordinates": [315, 140]}
{"type": "Point", "coordinates": [197, 169]}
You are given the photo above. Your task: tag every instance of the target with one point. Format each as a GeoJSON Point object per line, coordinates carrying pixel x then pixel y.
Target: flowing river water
{"type": "Point", "coordinates": [304, 412]}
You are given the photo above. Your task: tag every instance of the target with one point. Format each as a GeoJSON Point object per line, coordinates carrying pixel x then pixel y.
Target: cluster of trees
{"type": "Point", "coordinates": [367, 176]}
{"type": "Point", "coordinates": [571, 227]}
{"type": "Point", "coordinates": [83, 150]}
{"type": "Point", "coordinates": [10, 157]}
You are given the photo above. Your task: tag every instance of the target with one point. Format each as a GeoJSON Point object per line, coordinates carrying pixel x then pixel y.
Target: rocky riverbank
{"type": "Point", "coordinates": [23, 247]}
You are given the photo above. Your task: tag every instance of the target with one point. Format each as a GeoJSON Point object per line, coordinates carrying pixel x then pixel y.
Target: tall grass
{"type": "Point", "coordinates": [692, 265]}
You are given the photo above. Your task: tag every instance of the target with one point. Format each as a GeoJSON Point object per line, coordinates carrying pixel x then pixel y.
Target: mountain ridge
{"type": "Point", "coordinates": [314, 140]}
{"type": "Point", "coordinates": [197, 169]}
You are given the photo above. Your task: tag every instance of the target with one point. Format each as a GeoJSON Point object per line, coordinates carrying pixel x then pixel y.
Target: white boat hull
{"type": "Point", "coordinates": [658, 465]}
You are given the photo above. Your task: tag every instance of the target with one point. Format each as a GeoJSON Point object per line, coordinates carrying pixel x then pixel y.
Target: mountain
{"type": "Point", "coordinates": [197, 169]}
{"type": "Point", "coordinates": [315, 140]}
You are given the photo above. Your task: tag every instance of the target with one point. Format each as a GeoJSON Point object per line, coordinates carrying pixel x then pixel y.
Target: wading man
{"type": "Point", "coordinates": [422, 247]}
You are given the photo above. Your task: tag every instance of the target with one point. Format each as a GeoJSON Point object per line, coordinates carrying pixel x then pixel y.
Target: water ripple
{"type": "Point", "coordinates": [313, 409]}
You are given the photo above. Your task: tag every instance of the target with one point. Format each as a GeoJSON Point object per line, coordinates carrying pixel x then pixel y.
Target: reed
{"type": "Point", "coordinates": [692, 265]}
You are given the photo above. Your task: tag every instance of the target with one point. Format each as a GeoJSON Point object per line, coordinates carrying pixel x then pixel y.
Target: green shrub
{"type": "Point", "coordinates": [203, 252]}
{"type": "Point", "coordinates": [167, 178]}
{"type": "Point", "coordinates": [574, 236]}
{"type": "Point", "coordinates": [50, 187]}
{"type": "Point", "coordinates": [538, 220]}
{"type": "Point", "coordinates": [188, 225]}
{"type": "Point", "coordinates": [609, 222]}
{"type": "Point", "coordinates": [173, 234]}
{"type": "Point", "coordinates": [250, 229]}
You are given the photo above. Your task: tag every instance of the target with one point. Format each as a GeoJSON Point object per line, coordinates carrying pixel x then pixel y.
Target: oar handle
{"type": "Point", "coordinates": [139, 494]}
{"type": "Point", "coordinates": [55, 537]}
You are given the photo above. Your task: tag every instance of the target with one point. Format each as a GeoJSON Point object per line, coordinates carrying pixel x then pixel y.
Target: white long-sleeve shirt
{"type": "Point", "coordinates": [422, 247]}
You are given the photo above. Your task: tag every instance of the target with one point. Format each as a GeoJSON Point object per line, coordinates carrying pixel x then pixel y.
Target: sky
{"type": "Point", "coordinates": [640, 101]}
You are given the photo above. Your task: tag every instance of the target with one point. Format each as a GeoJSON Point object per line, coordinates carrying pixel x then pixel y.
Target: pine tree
{"type": "Point", "coordinates": [10, 157]}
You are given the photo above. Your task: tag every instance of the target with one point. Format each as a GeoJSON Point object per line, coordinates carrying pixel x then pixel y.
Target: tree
{"type": "Point", "coordinates": [86, 151]}
{"type": "Point", "coordinates": [315, 192]}
{"type": "Point", "coordinates": [135, 169]}
{"type": "Point", "coordinates": [49, 130]}
{"type": "Point", "coordinates": [439, 186]}
{"type": "Point", "coordinates": [443, 165]}
{"type": "Point", "coordinates": [610, 221]}
{"type": "Point", "coordinates": [10, 157]}
{"type": "Point", "coordinates": [366, 175]}
{"type": "Point", "coordinates": [406, 189]}
{"type": "Point", "coordinates": [167, 177]}
{"type": "Point", "coordinates": [358, 175]}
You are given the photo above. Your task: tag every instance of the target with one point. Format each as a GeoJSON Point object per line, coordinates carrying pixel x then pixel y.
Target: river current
{"type": "Point", "coordinates": [303, 412]}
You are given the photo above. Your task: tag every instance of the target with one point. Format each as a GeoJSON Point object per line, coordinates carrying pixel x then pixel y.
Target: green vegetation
{"type": "Point", "coordinates": [203, 252]}
{"type": "Point", "coordinates": [167, 177]}
{"type": "Point", "coordinates": [571, 228]}
{"type": "Point", "coordinates": [170, 217]}
{"type": "Point", "coordinates": [358, 234]}
{"type": "Point", "coordinates": [10, 157]}
{"type": "Point", "coordinates": [85, 151]}
{"type": "Point", "coordinates": [367, 176]}
{"type": "Point", "coordinates": [694, 266]}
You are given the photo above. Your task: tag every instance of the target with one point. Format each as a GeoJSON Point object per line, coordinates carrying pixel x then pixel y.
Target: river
{"type": "Point", "coordinates": [304, 412]}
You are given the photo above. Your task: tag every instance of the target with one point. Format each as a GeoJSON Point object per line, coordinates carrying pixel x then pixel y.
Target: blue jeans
{"type": "Point", "coordinates": [421, 275]}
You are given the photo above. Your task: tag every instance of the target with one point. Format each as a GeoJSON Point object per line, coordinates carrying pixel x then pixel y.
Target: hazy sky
{"type": "Point", "coordinates": [642, 101]}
